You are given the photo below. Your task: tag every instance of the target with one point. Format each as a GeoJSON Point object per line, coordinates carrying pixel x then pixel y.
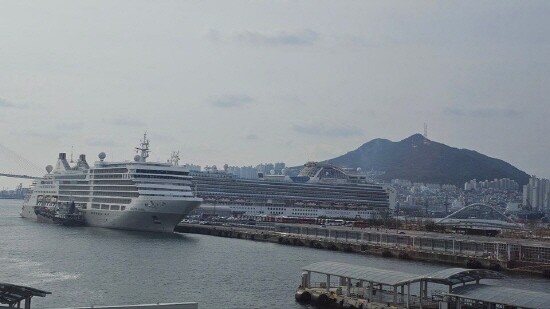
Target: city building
{"type": "Point", "coordinates": [536, 194]}
{"type": "Point", "coordinates": [503, 184]}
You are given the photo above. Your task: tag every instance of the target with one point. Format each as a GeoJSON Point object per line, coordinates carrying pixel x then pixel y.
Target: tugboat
{"type": "Point", "coordinates": [68, 215]}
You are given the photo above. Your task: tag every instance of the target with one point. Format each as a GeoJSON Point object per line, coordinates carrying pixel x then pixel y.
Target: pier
{"type": "Point", "coordinates": [15, 295]}
{"type": "Point", "coordinates": [186, 305]}
{"type": "Point", "coordinates": [342, 285]}
{"type": "Point", "coordinates": [453, 249]}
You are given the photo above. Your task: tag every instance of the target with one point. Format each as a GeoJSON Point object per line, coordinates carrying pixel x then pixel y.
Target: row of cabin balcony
{"type": "Point", "coordinates": [292, 188]}
{"type": "Point", "coordinates": [200, 190]}
{"type": "Point", "coordinates": [243, 182]}
{"type": "Point", "coordinates": [108, 207]}
{"type": "Point", "coordinates": [295, 204]}
{"type": "Point", "coordinates": [111, 200]}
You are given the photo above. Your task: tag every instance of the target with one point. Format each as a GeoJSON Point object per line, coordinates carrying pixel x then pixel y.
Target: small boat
{"type": "Point", "coordinates": [68, 215]}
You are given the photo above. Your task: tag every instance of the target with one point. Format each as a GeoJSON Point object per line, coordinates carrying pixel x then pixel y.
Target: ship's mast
{"type": "Point", "coordinates": [175, 158]}
{"type": "Point", "coordinates": [143, 150]}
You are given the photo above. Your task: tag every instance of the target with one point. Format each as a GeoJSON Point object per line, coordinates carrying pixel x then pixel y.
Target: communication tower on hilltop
{"type": "Point", "coordinates": [425, 130]}
{"type": "Point", "coordinates": [426, 140]}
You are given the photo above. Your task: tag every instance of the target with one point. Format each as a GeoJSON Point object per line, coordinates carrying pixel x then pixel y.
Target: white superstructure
{"type": "Point", "coordinates": [135, 195]}
{"type": "Point", "coordinates": [320, 190]}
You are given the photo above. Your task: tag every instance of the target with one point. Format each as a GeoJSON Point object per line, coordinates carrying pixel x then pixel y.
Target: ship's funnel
{"type": "Point", "coordinates": [62, 164]}
{"type": "Point", "coordinates": [82, 164]}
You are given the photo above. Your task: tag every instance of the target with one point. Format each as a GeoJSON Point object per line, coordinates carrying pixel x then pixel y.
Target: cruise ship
{"type": "Point", "coordinates": [320, 190]}
{"type": "Point", "coordinates": [138, 195]}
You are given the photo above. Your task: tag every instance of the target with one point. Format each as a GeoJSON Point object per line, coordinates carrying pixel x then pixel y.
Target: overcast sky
{"type": "Point", "coordinates": [244, 82]}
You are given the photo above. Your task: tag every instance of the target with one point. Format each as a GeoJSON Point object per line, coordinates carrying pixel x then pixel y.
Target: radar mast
{"type": "Point", "coordinates": [143, 150]}
{"type": "Point", "coordinates": [175, 158]}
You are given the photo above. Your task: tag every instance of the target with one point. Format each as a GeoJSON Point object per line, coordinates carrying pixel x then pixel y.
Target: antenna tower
{"type": "Point", "coordinates": [426, 140]}
{"type": "Point", "coordinates": [143, 150]}
{"type": "Point", "coordinates": [425, 130]}
{"type": "Point", "coordinates": [175, 158]}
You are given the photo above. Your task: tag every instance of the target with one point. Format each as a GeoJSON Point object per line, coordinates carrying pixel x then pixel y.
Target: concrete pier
{"type": "Point", "coordinates": [187, 305]}
{"type": "Point", "coordinates": [340, 285]}
{"type": "Point", "coordinates": [448, 249]}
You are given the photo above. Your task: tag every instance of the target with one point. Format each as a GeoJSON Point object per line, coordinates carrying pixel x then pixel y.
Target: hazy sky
{"type": "Point", "coordinates": [244, 82]}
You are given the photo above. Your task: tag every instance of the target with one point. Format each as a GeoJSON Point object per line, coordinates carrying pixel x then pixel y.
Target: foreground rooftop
{"type": "Point", "coordinates": [377, 285]}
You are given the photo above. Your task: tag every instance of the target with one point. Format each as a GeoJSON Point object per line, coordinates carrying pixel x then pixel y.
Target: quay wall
{"type": "Point", "coordinates": [190, 305]}
{"type": "Point", "coordinates": [496, 255]}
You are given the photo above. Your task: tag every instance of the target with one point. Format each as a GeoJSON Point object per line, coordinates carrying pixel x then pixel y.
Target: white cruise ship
{"type": "Point", "coordinates": [320, 190]}
{"type": "Point", "coordinates": [136, 195]}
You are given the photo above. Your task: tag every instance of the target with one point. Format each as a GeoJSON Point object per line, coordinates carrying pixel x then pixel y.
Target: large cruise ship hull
{"type": "Point", "coordinates": [28, 212]}
{"type": "Point", "coordinates": [158, 216]}
{"type": "Point", "coordinates": [138, 195]}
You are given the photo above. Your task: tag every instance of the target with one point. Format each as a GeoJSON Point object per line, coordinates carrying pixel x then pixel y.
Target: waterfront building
{"type": "Point", "coordinates": [247, 172]}
{"type": "Point", "coordinates": [433, 186]}
{"type": "Point", "coordinates": [18, 193]}
{"type": "Point", "coordinates": [401, 182]}
{"type": "Point", "coordinates": [536, 194]}
{"type": "Point", "coordinates": [470, 185]}
{"type": "Point", "coordinates": [392, 196]}
{"type": "Point", "coordinates": [449, 188]}
{"type": "Point", "coordinates": [192, 167]}
{"type": "Point", "coordinates": [409, 201]}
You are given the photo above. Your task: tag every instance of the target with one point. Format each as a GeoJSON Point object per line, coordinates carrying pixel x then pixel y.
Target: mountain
{"type": "Point", "coordinates": [420, 160]}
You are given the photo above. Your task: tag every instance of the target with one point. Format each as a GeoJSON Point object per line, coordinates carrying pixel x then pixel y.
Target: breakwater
{"type": "Point", "coordinates": [455, 250]}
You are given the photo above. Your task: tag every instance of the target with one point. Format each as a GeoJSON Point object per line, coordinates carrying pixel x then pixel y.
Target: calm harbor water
{"type": "Point", "coordinates": [93, 266]}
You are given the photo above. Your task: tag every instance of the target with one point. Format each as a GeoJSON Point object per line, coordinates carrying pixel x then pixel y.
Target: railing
{"type": "Point", "coordinates": [381, 296]}
{"type": "Point", "coordinates": [501, 249]}
{"type": "Point", "coordinates": [323, 285]}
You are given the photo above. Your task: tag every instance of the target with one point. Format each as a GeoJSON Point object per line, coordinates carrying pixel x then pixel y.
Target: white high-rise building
{"type": "Point", "coordinates": [504, 184]}
{"type": "Point", "coordinates": [537, 194]}
{"type": "Point", "coordinates": [248, 172]}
